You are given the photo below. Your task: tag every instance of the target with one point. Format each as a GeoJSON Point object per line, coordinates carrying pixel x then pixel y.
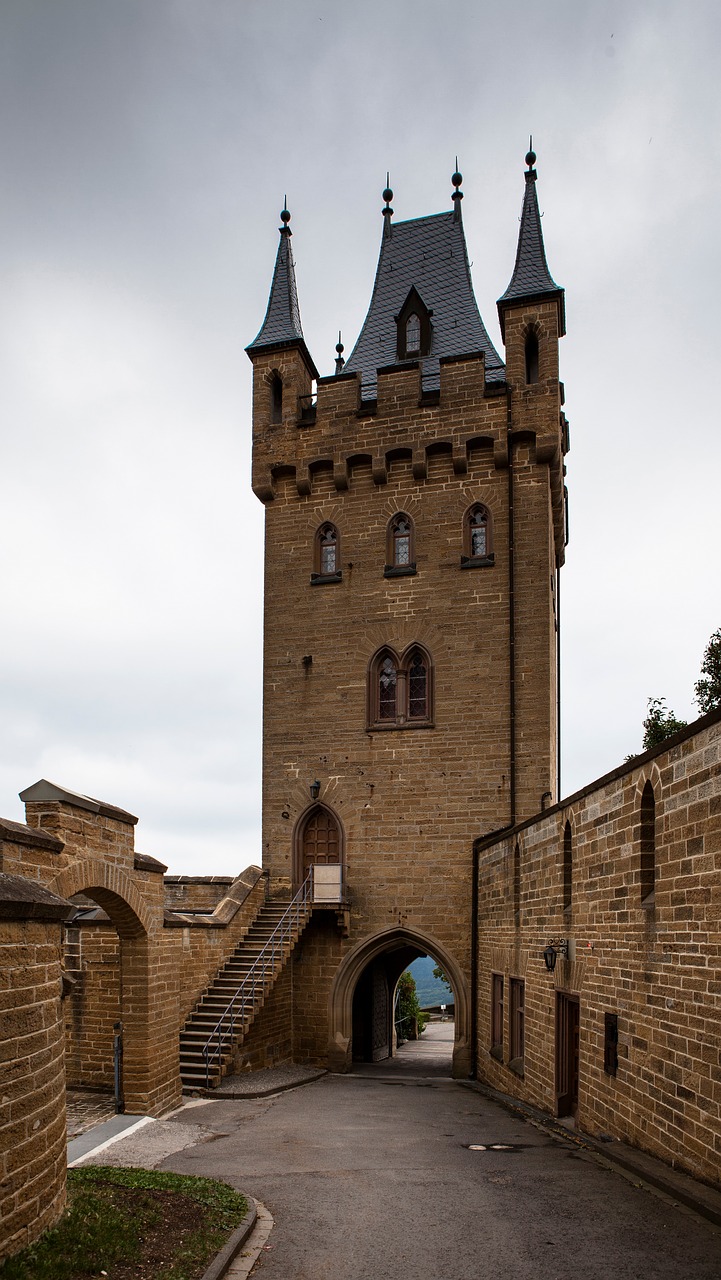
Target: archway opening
{"type": "Point", "coordinates": [391, 1030]}
{"type": "Point", "coordinates": [105, 1005]}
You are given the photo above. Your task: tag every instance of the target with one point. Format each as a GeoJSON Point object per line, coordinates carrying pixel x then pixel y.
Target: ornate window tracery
{"type": "Point", "coordinates": [400, 689]}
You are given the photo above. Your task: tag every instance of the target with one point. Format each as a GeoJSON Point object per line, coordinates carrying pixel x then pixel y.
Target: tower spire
{"type": "Point", "coordinates": [531, 278]}
{"type": "Point", "coordinates": [281, 326]}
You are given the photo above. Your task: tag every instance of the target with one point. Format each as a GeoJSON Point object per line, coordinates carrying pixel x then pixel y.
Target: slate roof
{"type": "Point", "coordinates": [430, 254]}
{"type": "Point", "coordinates": [282, 325]}
{"type": "Point", "coordinates": [531, 277]}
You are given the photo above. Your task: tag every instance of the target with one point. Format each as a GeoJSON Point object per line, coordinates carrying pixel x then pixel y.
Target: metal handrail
{"type": "Point", "coordinates": [257, 976]}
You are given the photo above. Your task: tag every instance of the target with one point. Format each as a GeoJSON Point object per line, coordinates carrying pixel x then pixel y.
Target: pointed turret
{"type": "Point", "coordinates": [531, 280]}
{"type": "Point", "coordinates": [281, 327]}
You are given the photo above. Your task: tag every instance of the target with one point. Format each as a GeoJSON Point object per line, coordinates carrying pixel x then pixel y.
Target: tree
{"type": "Point", "coordinates": [707, 690]}
{"type": "Point", "coordinates": [441, 975]}
{"type": "Point", "coordinates": [660, 723]}
{"type": "Point", "coordinates": [410, 1019]}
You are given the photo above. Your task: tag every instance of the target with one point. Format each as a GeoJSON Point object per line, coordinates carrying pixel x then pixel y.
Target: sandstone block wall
{"type": "Point", "coordinates": [409, 800]}
{"type": "Point", "coordinates": [655, 965]}
{"type": "Point", "coordinates": [195, 893]}
{"type": "Point", "coordinates": [93, 1004]}
{"type": "Point", "coordinates": [32, 1108]}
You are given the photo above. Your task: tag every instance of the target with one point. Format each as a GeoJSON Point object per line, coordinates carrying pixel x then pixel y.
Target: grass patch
{"type": "Point", "coordinates": [132, 1224]}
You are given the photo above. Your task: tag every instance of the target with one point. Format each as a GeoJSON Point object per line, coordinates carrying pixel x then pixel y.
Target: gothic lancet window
{"type": "Point", "coordinates": [417, 687]}
{"type": "Point", "coordinates": [648, 846]}
{"type": "Point", "coordinates": [400, 690]}
{"type": "Point", "coordinates": [400, 552]}
{"type": "Point", "coordinates": [326, 559]}
{"type": "Point", "coordinates": [477, 538]}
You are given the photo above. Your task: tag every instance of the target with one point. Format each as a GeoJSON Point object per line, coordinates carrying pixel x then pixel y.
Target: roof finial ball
{"type": "Point", "coordinates": [457, 179]}
{"type": "Point", "coordinates": [530, 154]}
{"type": "Point", "coordinates": [285, 216]}
{"type": "Point", "coordinates": [339, 361]}
{"type": "Point", "coordinates": [387, 212]}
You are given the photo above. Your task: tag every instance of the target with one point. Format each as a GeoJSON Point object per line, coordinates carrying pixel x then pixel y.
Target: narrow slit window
{"type": "Point", "coordinates": [328, 549]}
{"type": "Point", "coordinates": [610, 1043]}
{"type": "Point", "coordinates": [567, 867]}
{"type": "Point", "coordinates": [276, 399]}
{"type": "Point", "coordinates": [648, 845]}
{"type": "Point", "coordinates": [531, 357]}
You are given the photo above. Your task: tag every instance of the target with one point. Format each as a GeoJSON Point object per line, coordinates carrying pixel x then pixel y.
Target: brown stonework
{"type": "Point", "coordinates": [408, 798]}
{"type": "Point", "coordinates": [32, 1108]}
{"type": "Point", "coordinates": [654, 965]}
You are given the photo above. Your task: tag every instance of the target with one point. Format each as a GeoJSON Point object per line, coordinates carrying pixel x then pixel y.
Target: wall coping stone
{"type": "Point", "coordinates": [669, 744]}
{"type": "Point", "coordinates": [19, 833]}
{"type": "Point", "coordinates": [144, 862]}
{"type": "Point", "coordinates": [44, 790]}
{"type": "Point", "coordinates": [199, 879]}
{"type": "Point", "coordinates": [226, 909]}
{"type": "Point", "coordinates": [22, 899]}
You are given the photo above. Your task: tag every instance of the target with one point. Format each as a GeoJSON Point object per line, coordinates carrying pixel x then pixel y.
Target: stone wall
{"type": "Point", "coordinates": [409, 799]}
{"type": "Point", "coordinates": [652, 961]}
{"type": "Point", "coordinates": [32, 1109]}
{"type": "Point", "coordinates": [93, 1003]}
{"type": "Point", "coordinates": [195, 893]}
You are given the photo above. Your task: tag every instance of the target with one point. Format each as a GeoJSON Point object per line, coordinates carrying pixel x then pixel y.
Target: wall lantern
{"type": "Point", "coordinates": [556, 948]}
{"type": "Point", "coordinates": [314, 790]}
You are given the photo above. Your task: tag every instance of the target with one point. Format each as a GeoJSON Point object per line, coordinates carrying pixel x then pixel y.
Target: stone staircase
{"type": "Point", "coordinates": [227, 1009]}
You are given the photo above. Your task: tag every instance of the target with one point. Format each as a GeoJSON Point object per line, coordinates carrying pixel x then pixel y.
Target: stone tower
{"type": "Point", "coordinates": [415, 528]}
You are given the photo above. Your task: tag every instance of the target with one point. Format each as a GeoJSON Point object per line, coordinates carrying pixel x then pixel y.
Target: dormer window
{"type": "Point", "coordinates": [413, 335]}
{"type": "Point", "coordinates": [415, 331]}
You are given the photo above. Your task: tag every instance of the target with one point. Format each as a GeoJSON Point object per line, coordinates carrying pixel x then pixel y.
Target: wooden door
{"type": "Point", "coordinates": [321, 840]}
{"type": "Point", "coordinates": [567, 1053]}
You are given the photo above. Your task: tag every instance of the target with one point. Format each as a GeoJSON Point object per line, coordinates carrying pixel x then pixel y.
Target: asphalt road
{"type": "Point", "coordinates": [371, 1178]}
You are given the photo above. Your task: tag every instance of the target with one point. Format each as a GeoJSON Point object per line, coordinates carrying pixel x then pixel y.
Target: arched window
{"type": "Point", "coordinates": [327, 555]}
{"type": "Point", "coordinates": [400, 551]}
{"type": "Point", "coordinates": [531, 354]}
{"type": "Point", "coordinates": [276, 399]}
{"type": "Point", "coordinates": [648, 846]}
{"type": "Point", "coordinates": [387, 690]}
{"type": "Point", "coordinates": [400, 690]}
{"type": "Point", "coordinates": [417, 686]}
{"type": "Point", "coordinates": [477, 537]}
{"type": "Point", "coordinates": [567, 867]}
{"type": "Point", "coordinates": [413, 335]}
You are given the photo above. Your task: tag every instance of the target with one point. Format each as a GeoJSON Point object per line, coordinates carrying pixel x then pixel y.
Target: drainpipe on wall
{"type": "Point", "coordinates": [511, 615]}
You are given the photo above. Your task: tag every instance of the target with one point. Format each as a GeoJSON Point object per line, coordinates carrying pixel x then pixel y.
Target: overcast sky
{"type": "Point", "coordinates": [146, 149]}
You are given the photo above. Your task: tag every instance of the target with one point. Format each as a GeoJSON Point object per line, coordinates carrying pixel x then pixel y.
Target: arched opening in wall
{"type": "Point", "coordinates": [648, 846]}
{"type": "Point", "coordinates": [531, 354]}
{"type": "Point", "coordinates": [376, 1022]}
{"type": "Point", "coordinates": [105, 1007]}
{"type": "Point", "coordinates": [276, 399]}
